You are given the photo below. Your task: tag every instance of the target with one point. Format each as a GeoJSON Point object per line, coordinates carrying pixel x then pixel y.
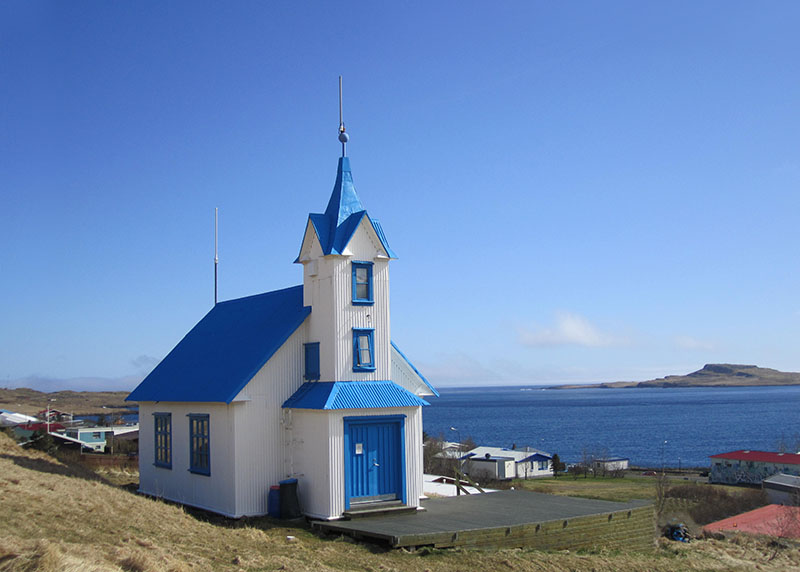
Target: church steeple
{"type": "Point", "coordinates": [344, 200]}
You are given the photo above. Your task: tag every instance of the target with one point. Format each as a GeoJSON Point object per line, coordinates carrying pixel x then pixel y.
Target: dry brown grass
{"type": "Point", "coordinates": [55, 517]}
{"type": "Point", "coordinates": [30, 401]}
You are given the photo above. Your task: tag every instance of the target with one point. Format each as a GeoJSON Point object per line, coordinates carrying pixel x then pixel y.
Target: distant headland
{"type": "Point", "coordinates": [712, 375]}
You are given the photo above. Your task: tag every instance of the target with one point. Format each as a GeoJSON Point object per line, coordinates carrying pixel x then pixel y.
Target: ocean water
{"type": "Point", "coordinates": [674, 427]}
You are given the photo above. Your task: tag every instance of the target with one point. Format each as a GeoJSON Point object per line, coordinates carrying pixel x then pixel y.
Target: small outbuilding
{"type": "Point", "coordinates": [610, 464]}
{"type": "Point", "coordinates": [783, 489]}
{"type": "Point", "coordinates": [498, 463]}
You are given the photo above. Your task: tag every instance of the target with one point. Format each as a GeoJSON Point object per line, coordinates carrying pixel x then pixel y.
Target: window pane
{"type": "Point", "coordinates": [361, 275]}
{"type": "Point", "coordinates": [362, 291]}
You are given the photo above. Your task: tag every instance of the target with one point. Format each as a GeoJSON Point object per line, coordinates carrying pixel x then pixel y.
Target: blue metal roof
{"type": "Point", "coordinates": [343, 214]}
{"type": "Point", "coordinates": [223, 352]}
{"type": "Point", "coordinates": [351, 395]}
{"type": "Point", "coordinates": [422, 377]}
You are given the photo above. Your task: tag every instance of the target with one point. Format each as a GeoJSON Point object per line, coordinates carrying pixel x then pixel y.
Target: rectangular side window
{"type": "Point", "coordinates": [363, 350]}
{"type": "Point", "coordinates": [199, 458]}
{"type": "Point", "coordinates": [312, 361]}
{"type": "Point", "coordinates": [362, 283]}
{"type": "Point", "coordinates": [163, 436]}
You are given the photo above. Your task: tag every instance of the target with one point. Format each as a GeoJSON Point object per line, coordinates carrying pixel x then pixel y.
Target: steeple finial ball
{"type": "Point", "coordinates": [343, 137]}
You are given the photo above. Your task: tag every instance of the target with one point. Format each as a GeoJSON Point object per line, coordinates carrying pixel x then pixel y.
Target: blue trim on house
{"type": "Point", "coordinates": [311, 354]}
{"type": "Point", "coordinates": [382, 237]}
{"type": "Point", "coordinates": [326, 395]}
{"type": "Point", "coordinates": [200, 443]}
{"type": "Point", "coordinates": [358, 335]}
{"type": "Point", "coordinates": [422, 377]}
{"type": "Point", "coordinates": [369, 299]}
{"type": "Point", "coordinates": [222, 353]}
{"type": "Point", "coordinates": [366, 420]}
{"type": "Point", "coordinates": [165, 431]}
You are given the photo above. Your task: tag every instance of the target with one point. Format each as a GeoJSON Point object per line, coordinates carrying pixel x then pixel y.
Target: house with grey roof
{"type": "Point", "coordinates": [301, 383]}
{"type": "Point", "coordinates": [782, 489]}
{"type": "Point", "coordinates": [500, 463]}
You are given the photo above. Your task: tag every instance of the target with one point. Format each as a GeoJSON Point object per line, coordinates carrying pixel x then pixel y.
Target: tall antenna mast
{"type": "Point", "coordinates": [216, 254]}
{"type": "Point", "coordinates": [343, 137]}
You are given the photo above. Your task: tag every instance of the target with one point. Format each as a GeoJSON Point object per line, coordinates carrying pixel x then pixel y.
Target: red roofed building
{"type": "Point", "coordinates": [751, 467]}
{"type": "Point", "coordinates": [772, 520]}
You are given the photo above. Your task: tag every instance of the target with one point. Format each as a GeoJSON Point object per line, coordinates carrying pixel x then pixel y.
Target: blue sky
{"type": "Point", "coordinates": [577, 192]}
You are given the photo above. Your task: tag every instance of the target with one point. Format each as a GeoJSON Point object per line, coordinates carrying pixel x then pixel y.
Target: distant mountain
{"type": "Point", "coordinates": [712, 375]}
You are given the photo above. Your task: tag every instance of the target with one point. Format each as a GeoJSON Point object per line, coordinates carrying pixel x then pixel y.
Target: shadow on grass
{"type": "Point", "coordinates": [53, 468]}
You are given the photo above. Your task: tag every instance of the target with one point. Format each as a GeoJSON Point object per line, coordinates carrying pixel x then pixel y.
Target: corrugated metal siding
{"type": "Point", "coordinates": [263, 448]}
{"type": "Point", "coordinates": [352, 395]}
{"type": "Point", "coordinates": [312, 446]}
{"type": "Point", "coordinates": [318, 438]}
{"type": "Point", "coordinates": [211, 492]}
{"type": "Point", "coordinates": [334, 316]}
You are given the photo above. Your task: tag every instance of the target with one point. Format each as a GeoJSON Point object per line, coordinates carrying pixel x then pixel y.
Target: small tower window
{"type": "Point", "coordinates": [362, 283]}
{"type": "Point", "coordinates": [363, 350]}
{"type": "Point", "coordinates": [312, 361]}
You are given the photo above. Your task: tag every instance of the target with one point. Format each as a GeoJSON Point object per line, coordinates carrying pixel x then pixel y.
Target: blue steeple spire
{"type": "Point", "coordinates": [344, 212]}
{"type": "Point", "coordinates": [344, 200]}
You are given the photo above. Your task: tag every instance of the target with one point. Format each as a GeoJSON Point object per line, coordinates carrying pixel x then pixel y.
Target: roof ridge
{"type": "Point", "coordinates": [262, 294]}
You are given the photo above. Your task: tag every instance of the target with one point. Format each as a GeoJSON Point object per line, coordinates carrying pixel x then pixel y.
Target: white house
{"type": "Point", "coordinates": [751, 466]}
{"type": "Point", "coordinates": [782, 489]}
{"type": "Point", "coordinates": [94, 438]}
{"type": "Point", "coordinates": [610, 464]}
{"type": "Point", "coordinates": [501, 464]}
{"type": "Point", "coordinates": [300, 383]}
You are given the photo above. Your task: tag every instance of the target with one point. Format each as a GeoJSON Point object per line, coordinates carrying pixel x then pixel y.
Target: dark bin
{"type": "Point", "coordinates": [290, 506]}
{"type": "Point", "coordinates": [274, 502]}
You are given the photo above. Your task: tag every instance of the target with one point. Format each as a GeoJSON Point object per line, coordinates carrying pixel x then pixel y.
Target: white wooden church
{"type": "Point", "coordinates": [299, 383]}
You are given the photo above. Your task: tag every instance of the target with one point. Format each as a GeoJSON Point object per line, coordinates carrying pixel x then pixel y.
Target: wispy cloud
{"type": "Point", "coordinates": [459, 369]}
{"type": "Point", "coordinates": [691, 343]}
{"type": "Point", "coordinates": [569, 329]}
{"type": "Point", "coordinates": [144, 363]}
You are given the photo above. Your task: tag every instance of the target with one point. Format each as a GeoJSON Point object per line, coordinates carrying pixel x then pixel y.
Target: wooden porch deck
{"type": "Point", "coordinates": [510, 519]}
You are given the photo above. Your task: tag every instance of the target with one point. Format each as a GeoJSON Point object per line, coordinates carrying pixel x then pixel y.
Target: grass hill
{"type": "Point", "coordinates": [711, 375]}
{"type": "Point", "coordinates": [29, 401]}
{"type": "Point", "coordinates": [59, 517]}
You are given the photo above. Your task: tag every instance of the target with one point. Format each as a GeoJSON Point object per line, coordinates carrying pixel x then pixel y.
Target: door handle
{"type": "Point", "coordinates": [375, 463]}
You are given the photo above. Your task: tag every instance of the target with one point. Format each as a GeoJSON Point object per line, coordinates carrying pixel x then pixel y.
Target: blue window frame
{"type": "Point", "coordinates": [199, 444]}
{"type": "Point", "coordinates": [363, 350]}
{"type": "Point", "coordinates": [362, 284]}
{"type": "Point", "coordinates": [312, 361]}
{"type": "Point", "coordinates": [162, 423]}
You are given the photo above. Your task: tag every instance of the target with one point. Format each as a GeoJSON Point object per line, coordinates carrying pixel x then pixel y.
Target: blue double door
{"type": "Point", "coordinates": [374, 459]}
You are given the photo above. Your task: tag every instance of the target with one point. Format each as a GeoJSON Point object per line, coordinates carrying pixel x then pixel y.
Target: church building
{"type": "Point", "coordinates": [303, 383]}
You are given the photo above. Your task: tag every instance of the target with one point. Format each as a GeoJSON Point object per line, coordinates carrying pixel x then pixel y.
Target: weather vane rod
{"type": "Point", "coordinates": [343, 137]}
{"type": "Point", "coordinates": [216, 252]}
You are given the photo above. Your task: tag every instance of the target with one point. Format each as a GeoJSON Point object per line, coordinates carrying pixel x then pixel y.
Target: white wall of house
{"type": "Point", "coordinates": [262, 456]}
{"type": "Point", "coordinates": [327, 288]}
{"type": "Point", "coordinates": [732, 471]}
{"type": "Point", "coordinates": [611, 464]}
{"type": "Point", "coordinates": [533, 469]}
{"type": "Point", "coordinates": [212, 492]}
{"type": "Point", "coordinates": [317, 439]}
{"type": "Point", "coordinates": [498, 469]}
{"type": "Point", "coordinates": [247, 451]}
